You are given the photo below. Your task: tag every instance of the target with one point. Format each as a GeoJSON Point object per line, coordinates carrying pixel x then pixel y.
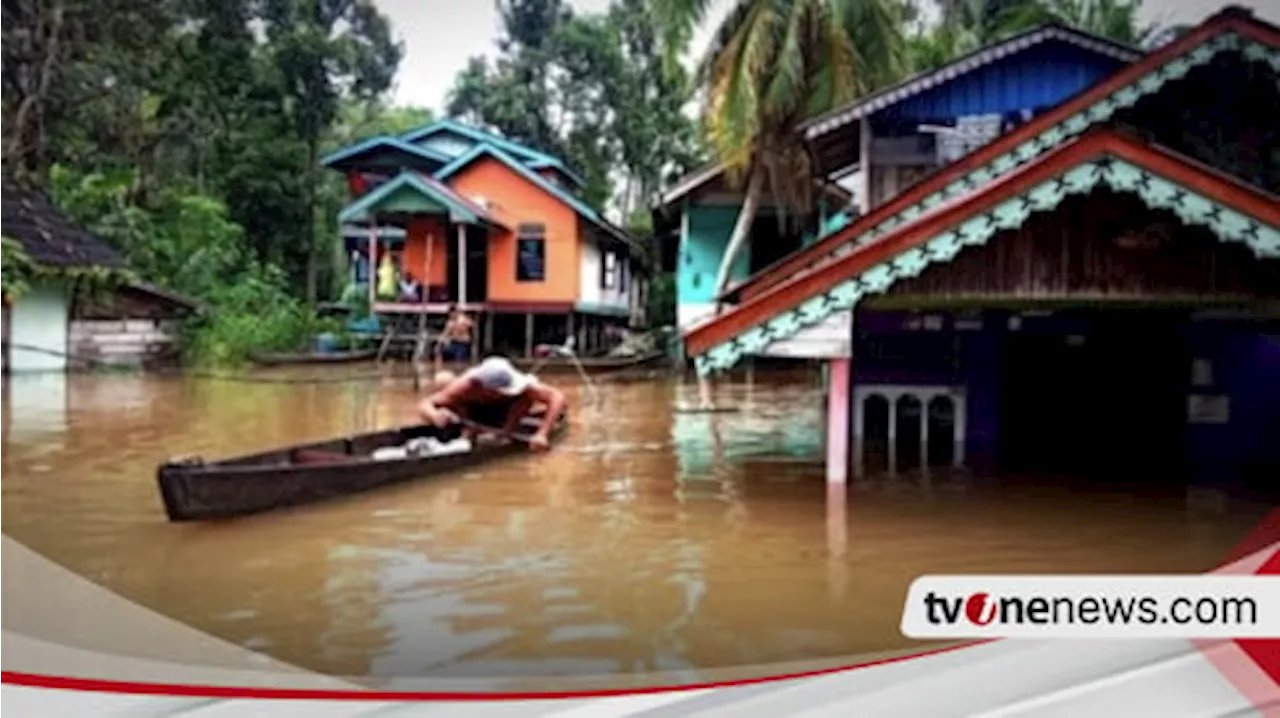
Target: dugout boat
{"type": "Point", "coordinates": [195, 490]}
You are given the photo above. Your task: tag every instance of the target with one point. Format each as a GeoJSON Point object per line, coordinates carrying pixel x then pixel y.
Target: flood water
{"type": "Point", "coordinates": [647, 540]}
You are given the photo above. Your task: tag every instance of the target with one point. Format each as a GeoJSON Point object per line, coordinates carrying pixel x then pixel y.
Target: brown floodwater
{"type": "Point", "coordinates": [647, 540]}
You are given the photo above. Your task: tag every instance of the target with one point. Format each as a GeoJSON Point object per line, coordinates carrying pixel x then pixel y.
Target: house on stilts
{"type": "Point", "coordinates": [489, 225]}
{"type": "Point", "coordinates": [1064, 257]}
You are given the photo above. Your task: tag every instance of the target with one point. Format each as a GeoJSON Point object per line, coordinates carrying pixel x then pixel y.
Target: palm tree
{"type": "Point", "coordinates": [772, 64]}
{"type": "Point", "coordinates": [971, 24]}
{"type": "Point", "coordinates": [1113, 19]}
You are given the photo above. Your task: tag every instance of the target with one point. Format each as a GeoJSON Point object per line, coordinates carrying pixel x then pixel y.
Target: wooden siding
{"type": "Point", "coordinates": [123, 341]}
{"type": "Point", "coordinates": [1103, 245]}
{"type": "Point", "coordinates": [515, 200]}
{"type": "Point", "coordinates": [426, 251]}
{"type": "Point", "coordinates": [1225, 21]}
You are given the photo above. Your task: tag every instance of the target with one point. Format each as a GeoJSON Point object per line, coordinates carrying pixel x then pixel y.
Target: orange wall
{"type": "Point", "coordinates": [514, 199]}
{"type": "Point", "coordinates": [420, 231]}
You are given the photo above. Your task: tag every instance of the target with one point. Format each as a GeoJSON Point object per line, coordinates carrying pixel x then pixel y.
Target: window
{"type": "Point", "coordinates": [609, 271]}
{"type": "Point", "coordinates": [623, 271]}
{"type": "Point", "coordinates": [531, 253]}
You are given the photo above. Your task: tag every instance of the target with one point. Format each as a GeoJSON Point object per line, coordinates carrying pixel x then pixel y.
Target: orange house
{"type": "Point", "coordinates": [471, 219]}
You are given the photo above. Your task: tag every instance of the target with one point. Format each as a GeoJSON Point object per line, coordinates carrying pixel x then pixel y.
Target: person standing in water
{"type": "Point", "coordinates": [454, 342]}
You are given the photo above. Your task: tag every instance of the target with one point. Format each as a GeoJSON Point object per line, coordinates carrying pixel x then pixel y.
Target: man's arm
{"type": "Point", "coordinates": [555, 402]}
{"type": "Point", "coordinates": [445, 399]}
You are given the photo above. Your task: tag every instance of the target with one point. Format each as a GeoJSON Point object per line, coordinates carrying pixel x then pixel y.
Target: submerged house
{"type": "Point", "coordinates": [52, 325]}
{"type": "Point", "coordinates": [467, 218]}
{"type": "Point", "coordinates": [1065, 258]}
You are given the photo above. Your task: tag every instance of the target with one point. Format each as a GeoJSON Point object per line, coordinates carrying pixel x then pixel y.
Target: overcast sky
{"type": "Point", "coordinates": [439, 35]}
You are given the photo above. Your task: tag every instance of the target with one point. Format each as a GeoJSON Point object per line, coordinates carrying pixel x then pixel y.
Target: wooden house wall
{"type": "Point", "coordinates": [127, 327]}
{"type": "Point", "coordinates": [1074, 253]}
{"type": "Point", "coordinates": [123, 341]}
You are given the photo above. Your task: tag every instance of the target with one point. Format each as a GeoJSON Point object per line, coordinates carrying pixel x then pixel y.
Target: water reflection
{"type": "Point", "coordinates": [648, 540]}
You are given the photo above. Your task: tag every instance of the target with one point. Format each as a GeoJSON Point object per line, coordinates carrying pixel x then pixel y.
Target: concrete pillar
{"type": "Point", "coordinates": [837, 541]}
{"type": "Point", "coordinates": [838, 420]}
{"type": "Point", "coordinates": [528, 335]}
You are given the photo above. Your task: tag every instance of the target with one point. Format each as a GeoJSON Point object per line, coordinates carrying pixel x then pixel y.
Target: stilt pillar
{"type": "Point", "coordinates": [838, 383]}
{"type": "Point", "coordinates": [528, 335]}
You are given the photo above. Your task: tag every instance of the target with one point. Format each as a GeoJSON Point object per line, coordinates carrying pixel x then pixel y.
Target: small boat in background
{"type": "Point", "coordinates": [194, 490]}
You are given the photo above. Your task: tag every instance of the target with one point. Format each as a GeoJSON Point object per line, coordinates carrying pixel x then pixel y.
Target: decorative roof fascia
{"type": "Point", "coordinates": [459, 209]}
{"type": "Point", "coordinates": [1036, 145]}
{"type": "Point", "coordinates": [1108, 170]}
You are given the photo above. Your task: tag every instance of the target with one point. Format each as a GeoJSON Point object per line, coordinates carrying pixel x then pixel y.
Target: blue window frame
{"type": "Point", "coordinates": [531, 253]}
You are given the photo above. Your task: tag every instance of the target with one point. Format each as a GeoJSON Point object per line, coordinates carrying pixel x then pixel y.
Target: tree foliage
{"type": "Point", "coordinates": [590, 88]}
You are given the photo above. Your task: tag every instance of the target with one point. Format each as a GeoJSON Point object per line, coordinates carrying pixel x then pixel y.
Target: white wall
{"type": "Point", "coordinates": [590, 294]}
{"type": "Point", "coordinates": [830, 339]}
{"type": "Point", "coordinates": [39, 319]}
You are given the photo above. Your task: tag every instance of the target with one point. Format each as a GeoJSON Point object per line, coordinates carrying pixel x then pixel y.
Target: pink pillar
{"type": "Point", "coordinates": [838, 381]}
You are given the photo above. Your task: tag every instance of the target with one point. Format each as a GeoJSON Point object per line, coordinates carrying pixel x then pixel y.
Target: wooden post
{"type": "Point", "coordinates": [528, 335]}
{"type": "Point", "coordinates": [838, 420]}
{"type": "Point", "coordinates": [426, 269]}
{"type": "Point", "coordinates": [462, 264]}
{"type": "Point", "coordinates": [371, 276]}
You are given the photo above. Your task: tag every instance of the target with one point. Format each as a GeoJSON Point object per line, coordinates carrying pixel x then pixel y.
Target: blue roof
{"type": "Point", "coordinates": [382, 143]}
{"type": "Point", "coordinates": [1064, 61]}
{"type": "Point", "coordinates": [484, 149]}
{"type": "Point", "coordinates": [459, 211]}
{"type": "Point", "coordinates": [528, 155]}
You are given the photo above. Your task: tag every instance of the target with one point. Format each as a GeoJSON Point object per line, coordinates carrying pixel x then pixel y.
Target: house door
{"type": "Point", "coordinates": [476, 265]}
{"type": "Point", "coordinates": [1105, 404]}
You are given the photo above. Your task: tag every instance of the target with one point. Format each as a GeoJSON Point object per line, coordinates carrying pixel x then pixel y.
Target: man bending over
{"type": "Point", "coordinates": [495, 394]}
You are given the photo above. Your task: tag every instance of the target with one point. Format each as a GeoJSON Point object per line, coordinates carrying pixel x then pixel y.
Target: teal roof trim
{"type": "Point", "coordinates": [382, 142]}
{"type": "Point", "coordinates": [542, 182]}
{"type": "Point", "coordinates": [528, 155]}
{"type": "Point", "coordinates": [458, 212]}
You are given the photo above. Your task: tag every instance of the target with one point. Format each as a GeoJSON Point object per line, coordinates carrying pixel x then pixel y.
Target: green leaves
{"type": "Point", "coordinates": [590, 88]}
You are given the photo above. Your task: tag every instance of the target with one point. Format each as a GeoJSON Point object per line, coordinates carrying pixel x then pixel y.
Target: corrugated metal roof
{"type": "Point", "coordinates": [981, 58]}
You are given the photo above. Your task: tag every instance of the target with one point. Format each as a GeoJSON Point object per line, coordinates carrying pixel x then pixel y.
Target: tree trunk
{"type": "Point", "coordinates": [313, 268]}
{"type": "Point", "coordinates": [741, 230]}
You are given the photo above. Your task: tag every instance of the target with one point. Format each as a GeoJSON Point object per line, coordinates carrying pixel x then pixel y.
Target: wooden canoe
{"type": "Point", "coordinates": [592, 365]}
{"type": "Point", "coordinates": [195, 490]}
{"type": "Point", "coordinates": [287, 358]}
